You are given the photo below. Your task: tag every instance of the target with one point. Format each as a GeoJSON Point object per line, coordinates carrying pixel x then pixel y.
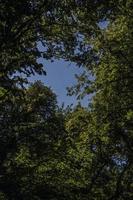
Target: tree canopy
{"type": "Point", "coordinates": [47, 152]}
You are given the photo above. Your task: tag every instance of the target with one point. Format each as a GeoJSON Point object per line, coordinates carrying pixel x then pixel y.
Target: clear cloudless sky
{"type": "Point", "coordinates": [60, 74]}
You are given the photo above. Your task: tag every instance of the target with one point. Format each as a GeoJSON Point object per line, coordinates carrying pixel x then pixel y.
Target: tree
{"type": "Point", "coordinates": [30, 145]}
{"type": "Point", "coordinates": [111, 107]}
{"type": "Point", "coordinates": [38, 28]}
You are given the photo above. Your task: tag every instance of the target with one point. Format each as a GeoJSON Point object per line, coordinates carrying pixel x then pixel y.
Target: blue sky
{"type": "Point", "coordinates": [60, 74]}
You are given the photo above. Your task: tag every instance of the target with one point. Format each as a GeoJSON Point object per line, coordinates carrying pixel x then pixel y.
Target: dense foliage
{"type": "Point", "coordinates": [80, 153]}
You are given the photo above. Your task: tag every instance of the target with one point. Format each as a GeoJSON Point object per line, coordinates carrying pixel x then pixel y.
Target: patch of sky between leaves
{"type": "Point", "coordinates": [60, 75]}
{"type": "Point", "coordinates": [103, 24]}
